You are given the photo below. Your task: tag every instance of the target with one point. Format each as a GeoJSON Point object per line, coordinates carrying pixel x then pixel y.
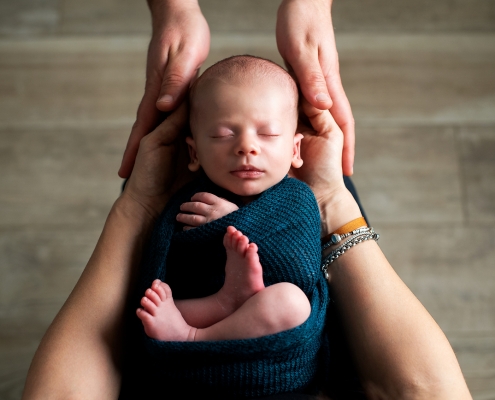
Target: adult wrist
{"type": "Point", "coordinates": [138, 211]}
{"type": "Point", "coordinates": [337, 209]}
{"type": "Point", "coordinates": [161, 9]}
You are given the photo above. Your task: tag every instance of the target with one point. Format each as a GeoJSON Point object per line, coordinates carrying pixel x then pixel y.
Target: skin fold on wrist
{"type": "Point", "coordinates": [337, 210]}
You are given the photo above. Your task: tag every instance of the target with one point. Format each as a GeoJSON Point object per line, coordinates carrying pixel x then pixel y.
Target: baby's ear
{"type": "Point", "coordinates": [297, 161]}
{"type": "Point", "coordinates": [193, 155]}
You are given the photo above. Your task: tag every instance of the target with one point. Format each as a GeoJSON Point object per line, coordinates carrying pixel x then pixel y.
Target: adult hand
{"type": "Point", "coordinates": [306, 41]}
{"type": "Point", "coordinates": [179, 45]}
{"type": "Point", "coordinates": [161, 164]}
{"type": "Point", "coordinates": [321, 151]}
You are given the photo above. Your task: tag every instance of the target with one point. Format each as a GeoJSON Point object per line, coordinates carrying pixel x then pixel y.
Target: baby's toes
{"type": "Point", "coordinates": [252, 249]}
{"type": "Point", "coordinates": [143, 315]}
{"type": "Point", "coordinates": [153, 296]}
{"type": "Point", "coordinates": [148, 305]}
{"type": "Point", "coordinates": [165, 291]}
{"type": "Point", "coordinates": [242, 244]}
{"type": "Point", "coordinates": [159, 290]}
{"type": "Point", "coordinates": [228, 239]}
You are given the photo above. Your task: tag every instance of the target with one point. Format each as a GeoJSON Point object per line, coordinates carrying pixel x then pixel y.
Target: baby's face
{"type": "Point", "coordinates": [244, 135]}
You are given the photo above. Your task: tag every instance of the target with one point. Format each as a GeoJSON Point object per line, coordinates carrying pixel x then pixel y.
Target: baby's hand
{"type": "Point", "coordinates": [204, 207]}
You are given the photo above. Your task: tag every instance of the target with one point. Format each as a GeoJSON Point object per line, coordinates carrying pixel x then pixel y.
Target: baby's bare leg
{"type": "Point", "coordinates": [274, 309]}
{"type": "Point", "coordinates": [243, 279]}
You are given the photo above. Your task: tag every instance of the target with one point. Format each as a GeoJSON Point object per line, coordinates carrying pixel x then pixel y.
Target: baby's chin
{"type": "Point", "coordinates": [247, 195]}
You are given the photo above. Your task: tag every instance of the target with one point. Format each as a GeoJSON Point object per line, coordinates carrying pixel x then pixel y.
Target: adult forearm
{"type": "Point", "coordinates": [400, 351]}
{"type": "Point", "coordinates": [78, 358]}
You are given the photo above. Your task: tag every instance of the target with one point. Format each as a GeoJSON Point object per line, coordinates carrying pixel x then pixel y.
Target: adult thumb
{"type": "Point", "coordinates": [179, 72]}
{"type": "Point", "coordinates": [312, 82]}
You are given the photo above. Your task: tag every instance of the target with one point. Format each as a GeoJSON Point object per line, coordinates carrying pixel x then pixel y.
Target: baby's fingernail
{"type": "Point", "coordinates": [322, 97]}
{"type": "Point", "coordinates": [166, 99]}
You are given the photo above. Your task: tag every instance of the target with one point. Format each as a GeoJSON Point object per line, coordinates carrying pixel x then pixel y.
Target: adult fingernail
{"type": "Point", "coordinates": [166, 99]}
{"type": "Point", "coordinates": [322, 97]}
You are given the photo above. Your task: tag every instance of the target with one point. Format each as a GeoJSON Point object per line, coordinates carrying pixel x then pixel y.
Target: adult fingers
{"type": "Point", "coordinates": [181, 69]}
{"type": "Point", "coordinates": [167, 132]}
{"type": "Point", "coordinates": [311, 80]}
{"type": "Point", "coordinates": [321, 120]}
{"type": "Point", "coordinates": [146, 120]}
{"type": "Point", "coordinates": [342, 113]}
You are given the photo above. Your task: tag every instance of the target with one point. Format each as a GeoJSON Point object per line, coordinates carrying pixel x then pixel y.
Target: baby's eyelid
{"type": "Point", "coordinates": [222, 135]}
{"type": "Point", "coordinates": [269, 134]}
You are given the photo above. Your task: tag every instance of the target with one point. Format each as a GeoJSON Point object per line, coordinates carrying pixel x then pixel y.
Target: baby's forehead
{"type": "Point", "coordinates": [244, 70]}
{"type": "Point", "coordinates": [248, 84]}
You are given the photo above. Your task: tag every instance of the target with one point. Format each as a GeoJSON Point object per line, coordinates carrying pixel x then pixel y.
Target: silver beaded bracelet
{"type": "Point", "coordinates": [354, 240]}
{"type": "Point", "coordinates": [336, 238]}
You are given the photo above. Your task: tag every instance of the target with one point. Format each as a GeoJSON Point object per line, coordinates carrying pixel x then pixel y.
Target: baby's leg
{"type": "Point", "coordinates": [243, 279]}
{"type": "Point", "coordinates": [274, 309]}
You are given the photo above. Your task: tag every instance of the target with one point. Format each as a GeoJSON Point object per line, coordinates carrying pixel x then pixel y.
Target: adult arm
{"type": "Point", "coordinates": [79, 356]}
{"type": "Point", "coordinates": [399, 350]}
{"type": "Point", "coordinates": [179, 44]}
{"type": "Point", "coordinates": [306, 41]}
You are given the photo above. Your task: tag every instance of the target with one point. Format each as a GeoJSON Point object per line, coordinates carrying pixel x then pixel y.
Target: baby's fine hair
{"type": "Point", "coordinates": [243, 69]}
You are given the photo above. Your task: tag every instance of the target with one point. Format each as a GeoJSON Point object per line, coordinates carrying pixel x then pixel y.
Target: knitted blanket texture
{"type": "Point", "coordinates": [284, 222]}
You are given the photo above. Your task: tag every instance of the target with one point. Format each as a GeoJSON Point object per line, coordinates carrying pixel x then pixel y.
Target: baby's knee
{"type": "Point", "coordinates": [285, 306]}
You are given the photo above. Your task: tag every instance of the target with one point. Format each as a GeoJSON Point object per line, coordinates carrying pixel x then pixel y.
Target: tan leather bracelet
{"type": "Point", "coordinates": [347, 228]}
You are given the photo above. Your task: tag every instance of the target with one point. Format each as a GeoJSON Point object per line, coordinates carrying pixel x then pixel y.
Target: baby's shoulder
{"type": "Point", "coordinates": [293, 202]}
{"type": "Point", "coordinates": [297, 192]}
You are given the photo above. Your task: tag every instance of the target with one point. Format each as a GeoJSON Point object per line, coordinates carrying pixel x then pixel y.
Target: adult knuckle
{"type": "Point", "coordinates": [315, 78]}
{"type": "Point", "coordinates": [173, 79]}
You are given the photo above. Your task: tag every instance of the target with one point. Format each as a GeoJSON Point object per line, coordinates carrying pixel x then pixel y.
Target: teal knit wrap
{"type": "Point", "coordinates": [285, 224]}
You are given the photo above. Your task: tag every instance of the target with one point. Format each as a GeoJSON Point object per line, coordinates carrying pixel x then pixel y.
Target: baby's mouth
{"type": "Point", "coordinates": [247, 171]}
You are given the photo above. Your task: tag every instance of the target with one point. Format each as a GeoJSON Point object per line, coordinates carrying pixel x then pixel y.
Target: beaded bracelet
{"type": "Point", "coordinates": [353, 241]}
{"type": "Point", "coordinates": [336, 238]}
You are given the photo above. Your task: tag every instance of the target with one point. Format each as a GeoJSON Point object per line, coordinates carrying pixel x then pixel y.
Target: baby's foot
{"type": "Point", "coordinates": [243, 271]}
{"type": "Point", "coordinates": [161, 318]}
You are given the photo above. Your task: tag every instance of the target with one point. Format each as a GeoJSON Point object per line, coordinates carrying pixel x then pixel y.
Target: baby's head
{"type": "Point", "coordinates": [243, 123]}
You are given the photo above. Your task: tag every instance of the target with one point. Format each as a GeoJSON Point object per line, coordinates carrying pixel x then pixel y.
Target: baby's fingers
{"type": "Point", "coordinates": [195, 207]}
{"type": "Point", "coordinates": [193, 220]}
{"type": "Point", "coordinates": [205, 197]}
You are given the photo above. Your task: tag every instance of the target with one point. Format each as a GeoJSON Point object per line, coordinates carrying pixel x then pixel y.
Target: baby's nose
{"type": "Point", "coordinates": [247, 145]}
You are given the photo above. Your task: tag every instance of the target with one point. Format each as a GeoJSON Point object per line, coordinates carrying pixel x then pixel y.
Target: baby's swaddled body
{"type": "Point", "coordinates": [284, 223]}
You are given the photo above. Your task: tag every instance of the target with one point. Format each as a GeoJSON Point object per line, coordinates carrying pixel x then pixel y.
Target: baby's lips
{"type": "Point", "coordinates": [247, 168]}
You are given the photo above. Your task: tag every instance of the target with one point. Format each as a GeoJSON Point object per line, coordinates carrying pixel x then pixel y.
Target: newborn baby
{"type": "Point", "coordinates": [243, 123]}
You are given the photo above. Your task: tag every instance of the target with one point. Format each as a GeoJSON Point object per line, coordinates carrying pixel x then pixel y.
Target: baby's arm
{"type": "Point", "coordinates": [203, 208]}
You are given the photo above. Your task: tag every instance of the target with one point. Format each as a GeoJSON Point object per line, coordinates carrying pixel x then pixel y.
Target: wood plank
{"type": "Point", "coordinates": [408, 175]}
{"type": "Point", "coordinates": [28, 17]}
{"type": "Point", "coordinates": [477, 149]}
{"type": "Point", "coordinates": [59, 176]}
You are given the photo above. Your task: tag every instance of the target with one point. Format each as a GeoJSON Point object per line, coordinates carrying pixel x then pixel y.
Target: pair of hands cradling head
{"type": "Point", "coordinates": [180, 44]}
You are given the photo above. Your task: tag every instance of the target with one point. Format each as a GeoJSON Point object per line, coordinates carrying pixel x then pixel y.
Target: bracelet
{"type": "Point", "coordinates": [336, 238]}
{"type": "Point", "coordinates": [345, 230]}
{"type": "Point", "coordinates": [353, 241]}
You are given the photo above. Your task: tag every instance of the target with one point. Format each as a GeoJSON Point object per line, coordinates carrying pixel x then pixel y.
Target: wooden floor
{"type": "Point", "coordinates": [421, 81]}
